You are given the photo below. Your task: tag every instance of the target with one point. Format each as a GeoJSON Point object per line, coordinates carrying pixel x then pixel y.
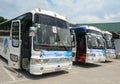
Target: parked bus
{"type": "Point", "coordinates": [37, 41]}
{"type": "Point", "coordinates": [87, 44]}
{"type": "Point", "coordinates": [109, 45]}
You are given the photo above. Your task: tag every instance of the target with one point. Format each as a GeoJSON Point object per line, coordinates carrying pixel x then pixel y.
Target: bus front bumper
{"type": "Point", "coordinates": [110, 56]}
{"type": "Point", "coordinates": [39, 69]}
{"type": "Point", "coordinates": [93, 59]}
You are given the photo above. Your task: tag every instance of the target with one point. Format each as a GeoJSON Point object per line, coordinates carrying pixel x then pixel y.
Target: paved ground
{"type": "Point", "coordinates": [99, 73]}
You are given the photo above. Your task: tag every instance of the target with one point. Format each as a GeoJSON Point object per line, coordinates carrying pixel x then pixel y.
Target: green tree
{"type": "Point", "coordinates": [71, 24]}
{"type": "Point", "coordinates": [2, 19]}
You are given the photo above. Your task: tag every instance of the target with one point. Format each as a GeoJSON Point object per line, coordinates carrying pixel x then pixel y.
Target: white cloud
{"type": "Point", "coordinates": [77, 11]}
{"type": "Point", "coordinates": [86, 19]}
{"type": "Point", "coordinates": [12, 8]}
{"type": "Point", "coordinates": [112, 16]}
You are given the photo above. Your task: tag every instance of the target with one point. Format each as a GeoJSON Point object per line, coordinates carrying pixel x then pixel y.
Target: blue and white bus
{"type": "Point", "coordinates": [37, 41]}
{"type": "Point", "coordinates": [110, 51]}
{"type": "Point", "coordinates": [88, 44]}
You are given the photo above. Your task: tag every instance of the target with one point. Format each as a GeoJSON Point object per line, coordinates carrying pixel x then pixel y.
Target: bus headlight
{"type": "Point", "coordinates": [45, 60]}
{"type": "Point", "coordinates": [90, 54]}
{"type": "Point", "coordinates": [35, 61]}
{"type": "Point", "coordinates": [65, 59]}
{"type": "Point", "coordinates": [39, 61]}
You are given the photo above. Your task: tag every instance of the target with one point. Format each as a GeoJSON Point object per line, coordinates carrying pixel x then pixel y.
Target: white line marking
{"type": "Point", "coordinates": [11, 76]}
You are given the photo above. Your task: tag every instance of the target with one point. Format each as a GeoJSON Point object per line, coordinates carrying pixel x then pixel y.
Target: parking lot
{"type": "Point", "coordinates": [99, 73]}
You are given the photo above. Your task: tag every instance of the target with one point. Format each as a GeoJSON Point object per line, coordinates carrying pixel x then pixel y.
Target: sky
{"type": "Point", "coordinates": [77, 11]}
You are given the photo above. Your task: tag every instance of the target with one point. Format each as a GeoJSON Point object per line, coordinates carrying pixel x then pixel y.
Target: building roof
{"type": "Point", "coordinates": [112, 27]}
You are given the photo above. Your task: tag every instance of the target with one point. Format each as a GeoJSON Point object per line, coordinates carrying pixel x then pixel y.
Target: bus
{"type": "Point", "coordinates": [109, 45]}
{"type": "Point", "coordinates": [87, 44]}
{"type": "Point", "coordinates": [37, 41]}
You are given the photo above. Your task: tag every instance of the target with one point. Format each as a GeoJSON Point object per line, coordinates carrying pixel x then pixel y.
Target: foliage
{"type": "Point", "coordinates": [2, 19]}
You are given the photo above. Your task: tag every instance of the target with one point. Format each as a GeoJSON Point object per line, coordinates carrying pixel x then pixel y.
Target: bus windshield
{"type": "Point", "coordinates": [51, 32]}
{"type": "Point", "coordinates": [95, 40]}
{"type": "Point", "coordinates": [109, 43]}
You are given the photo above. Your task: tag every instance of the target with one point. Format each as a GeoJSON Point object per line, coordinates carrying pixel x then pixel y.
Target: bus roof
{"type": "Point", "coordinates": [78, 27]}
{"type": "Point", "coordinates": [49, 13]}
{"type": "Point", "coordinates": [42, 11]}
{"type": "Point", "coordinates": [107, 32]}
{"type": "Point", "coordinates": [85, 28]}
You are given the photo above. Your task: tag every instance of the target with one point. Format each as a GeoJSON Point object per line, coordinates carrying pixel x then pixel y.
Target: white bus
{"type": "Point", "coordinates": [37, 41]}
{"type": "Point", "coordinates": [87, 44]}
{"type": "Point", "coordinates": [109, 45]}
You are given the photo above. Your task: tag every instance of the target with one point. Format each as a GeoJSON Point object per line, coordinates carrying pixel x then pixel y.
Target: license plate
{"type": "Point", "coordinates": [58, 69]}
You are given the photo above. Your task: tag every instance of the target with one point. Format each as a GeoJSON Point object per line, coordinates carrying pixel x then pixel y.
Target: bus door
{"type": "Point", "coordinates": [81, 45]}
{"type": "Point", "coordinates": [15, 44]}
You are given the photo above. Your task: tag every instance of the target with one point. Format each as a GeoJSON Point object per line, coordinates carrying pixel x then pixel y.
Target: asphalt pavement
{"type": "Point", "coordinates": [98, 73]}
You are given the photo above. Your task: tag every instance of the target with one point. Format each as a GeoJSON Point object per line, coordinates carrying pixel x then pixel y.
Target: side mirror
{"type": "Point", "coordinates": [32, 31]}
{"type": "Point", "coordinates": [73, 40]}
{"type": "Point", "coordinates": [32, 28]}
{"type": "Point", "coordinates": [73, 44]}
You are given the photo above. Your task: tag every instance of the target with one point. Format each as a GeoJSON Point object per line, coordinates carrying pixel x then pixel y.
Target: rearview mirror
{"type": "Point", "coordinates": [32, 28]}
{"type": "Point", "coordinates": [73, 40]}
{"type": "Point", "coordinates": [32, 31]}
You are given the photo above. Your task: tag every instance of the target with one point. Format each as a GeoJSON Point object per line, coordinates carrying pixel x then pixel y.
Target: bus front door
{"type": "Point", "coordinates": [15, 44]}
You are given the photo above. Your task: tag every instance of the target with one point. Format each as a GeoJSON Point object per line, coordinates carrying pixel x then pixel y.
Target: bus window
{"type": "Point", "coordinates": [92, 41]}
{"type": "Point", "coordinates": [89, 41]}
{"type": "Point", "coordinates": [51, 31]}
{"type": "Point", "coordinates": [100, 41]}
{"type": "Point", "coordinates": [15, 34]}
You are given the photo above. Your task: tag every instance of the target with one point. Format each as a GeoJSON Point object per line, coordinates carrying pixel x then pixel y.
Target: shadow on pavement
{"type": "Point", "coordinates": [107, 61]}
{"type": "Point", "coordinates": [3, 60]}
{"type": "Point", "coordinates": [86, 65]}
{"type": "Point", "coordinates": [23, 73]}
